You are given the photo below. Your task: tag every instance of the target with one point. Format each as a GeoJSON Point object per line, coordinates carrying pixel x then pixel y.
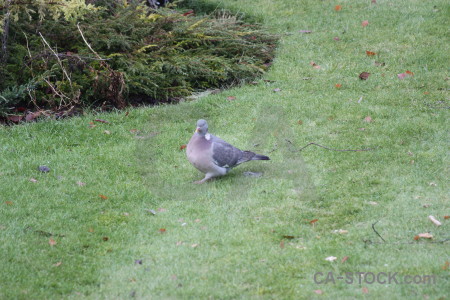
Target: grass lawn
{"type": "Point", "coordinates": [118, 217]}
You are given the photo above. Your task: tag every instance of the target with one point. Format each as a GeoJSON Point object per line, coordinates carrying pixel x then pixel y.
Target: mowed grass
{"type": "Point", "coordinates": [242, 237]}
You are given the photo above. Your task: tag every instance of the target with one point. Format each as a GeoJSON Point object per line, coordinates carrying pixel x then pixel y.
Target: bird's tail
{"type": "Point", "coordinates": [248, 155]}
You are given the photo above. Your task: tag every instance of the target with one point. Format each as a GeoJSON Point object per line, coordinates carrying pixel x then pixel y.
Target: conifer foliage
{"type": "Point", "coordinates": [113, 55]}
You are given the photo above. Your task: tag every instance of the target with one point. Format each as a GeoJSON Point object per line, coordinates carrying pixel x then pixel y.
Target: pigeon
{"type": "Point", "coordinates": [213, 156]}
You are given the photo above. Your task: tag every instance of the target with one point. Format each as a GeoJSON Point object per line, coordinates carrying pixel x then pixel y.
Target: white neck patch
{"type": "Point", "coordinates": [207, 136]}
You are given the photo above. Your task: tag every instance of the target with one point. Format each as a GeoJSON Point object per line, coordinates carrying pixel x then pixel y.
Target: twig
{"type": "Point", "coordinates": [341, 150]}
{"type": "Point", "coordinates": [407, 243]}
{"type": "Point", "coordinates": [373, 227]}
{"type": "Point", "coordinates": [59, 61]}
{"type": "Point", "coordinates": [89, 46]}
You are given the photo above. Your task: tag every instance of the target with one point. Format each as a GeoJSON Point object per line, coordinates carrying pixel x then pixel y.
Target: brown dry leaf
{"type": "Point", "coordinates": [105, 238]}
{"type": "Point", "coordinates": [338, 85]}
{"type": "Point", "coordinates": [289, 237]}
{"type": "Point", "coordinates": [338, 7]}
{"type": "Point", "coordinates": [370, 53]}
{"type": "Point", "coordinates": [344, 259]}
{"type": "Point", "coordinates": [365, 290]}
{"type": "Point", "coordinates": [318, 292]}
{"type": "Point", "coordinates": [8, 203]}
{"type": "Point", "coordinates": [282, 244]}
{"type": "Point", "coordinates": [416, 238]}
{"type": "Point", "coordinates": [446, 217]}
{"type": "Point", "coordinates": [314, 65]}
{"type": "Point", "coordinates": [364, 23]}
{"type": "Point", "coordinates": [183, 147]}
{"type": "Point", "coordinates": [368, 119]}
{"type": "Point", "coordinates": [57, 264]}
{"type": "Point", "coordinates": [15, 118]}
{"type": "Point", "coordinates": [364, 75]}
{"type": "Point", "coordinates": [103, 197]}
{"type": "Point", "coordinates": [162, 230]}
{"type": "Point", "coordinates": [32, 115]}
{"type": "Point", "coordinates": [231, 98]}
{"type": "Point", "coordinates": [312, 222]}
{"type": "Point", "coordinates": [52, 242]}
{"type": "Point", "coordinates": [425, 235]}
{"type": "Point", "coordinates": [300, 122]}
{"type": "Point", "coordinates": [91, 229]}
{"type": "Point", "coordinates": [101, 121]}
{"type": "Point", "coordinates": [446, 266]}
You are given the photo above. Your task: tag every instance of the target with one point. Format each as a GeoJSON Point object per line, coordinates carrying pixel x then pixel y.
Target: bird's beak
{"type": "Point", "coordinates": [197, 129]}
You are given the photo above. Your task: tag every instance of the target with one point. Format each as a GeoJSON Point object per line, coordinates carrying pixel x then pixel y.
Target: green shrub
{"type": "Point", "coordinates": [137, 55]}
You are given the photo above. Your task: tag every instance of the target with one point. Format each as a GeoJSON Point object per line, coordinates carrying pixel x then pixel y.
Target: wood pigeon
{"type": "Point", "coordinates": [213, 156]}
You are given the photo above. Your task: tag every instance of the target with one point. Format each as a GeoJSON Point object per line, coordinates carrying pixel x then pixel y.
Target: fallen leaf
{"type": "Point", "coordinates": [370, 53]}
{"type": "Point", "coordinates": [107, 132]}
{"type": "Point", "coordinates": [33, 180]}
{"type": "Point", "coordinates": [364, 75]}
{"type": "Point", "coordinates": [32, 115]}
{"type": "Point", "coordinates": [314, 65]}
{"type": "Point", "coordinates": [152, 211]}
{"type": "Point", "coordinates": [44, 169]}
{"type": "Point", "coordinates": [331, 258]}
{"type": "Point", "coordinates": [434, 221]}
{"type": "Point", "coordinates": [81, 183]}
{"type": "Point", "coordinates": [8, 203]}
{"type": "Point", "coordinates": [127, 113]}
{"type": "Point", "coordinates": [52, 242]}
{"type": "Point", "coordinates": [57, 264]}
{"type": "Point", "coordinates": [162, 230]}
{"type": "Point", "coordinates": [336, 38]}
{"type": "Point", "coordinates": [15, 118]}
{"type": "Point", "coordinates": [368, 119]}
{"type": "Point", "coordinates": [282, 244]}
{"type": "Point", "coordinates": [183, 147]}
{"type": "Point", "coordinates": [338, 85]}
{"type": "Point", "coordinates": [161, 209]}
{"type": "Point", "coordinates": [101, 121]}
{"type": "Point", "coordinates": [364, 23]}
{"type": "Point", "coordinates": [425, 235]}
{"type": "Point", "coordinates": [300, 122]}
{"type": "Point", "coordinates": [409, 73]}
{"type": "Point", "coordinates": [344, 259]}
{"type": "Point", "coordinates": [446, 217]}
{"type": "Point", "coordinates": [91, 230]}
{"type": "Point", "coordinates": [289, 237]}
{"type": "Point", "coordinates": [188, 13]}
{"type": "Point", "coordinates": [103, 197]}
{"type": "Point", "coordinates": [105, 238]}
{"type": "Point", "coordinates": [365, 290]}
{"type": "Point", "coordinates": [374, 1]}
{"type": "Point", "coordinates": [313, 221]}
{"type": "Point", "coordinates": [338, 7]}
{"type": "Point", "coordinates": [231, 98]}
{"type": "Point", "coordinates": [318, 292]}
{"type": "Point", "coordinates": [446, 266]}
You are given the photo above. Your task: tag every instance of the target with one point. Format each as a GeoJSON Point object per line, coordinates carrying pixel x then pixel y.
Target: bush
{"type": "Point", "coordinates": [137, 55]}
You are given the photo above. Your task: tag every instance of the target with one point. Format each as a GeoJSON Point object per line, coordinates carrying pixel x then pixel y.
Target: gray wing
{"type": "Point", "coordinates": [224, 154]}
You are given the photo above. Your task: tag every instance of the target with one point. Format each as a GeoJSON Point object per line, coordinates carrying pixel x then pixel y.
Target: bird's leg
{"type": "Point", "coordinates": [208, 176]}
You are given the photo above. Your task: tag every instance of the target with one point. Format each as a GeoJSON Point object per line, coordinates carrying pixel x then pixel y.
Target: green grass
{"type": "Point", "coordinates": [223, 238]}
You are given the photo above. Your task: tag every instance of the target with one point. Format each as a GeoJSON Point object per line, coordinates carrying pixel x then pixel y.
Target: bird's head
{"type": "Point", "coordinates": [202, 127]}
